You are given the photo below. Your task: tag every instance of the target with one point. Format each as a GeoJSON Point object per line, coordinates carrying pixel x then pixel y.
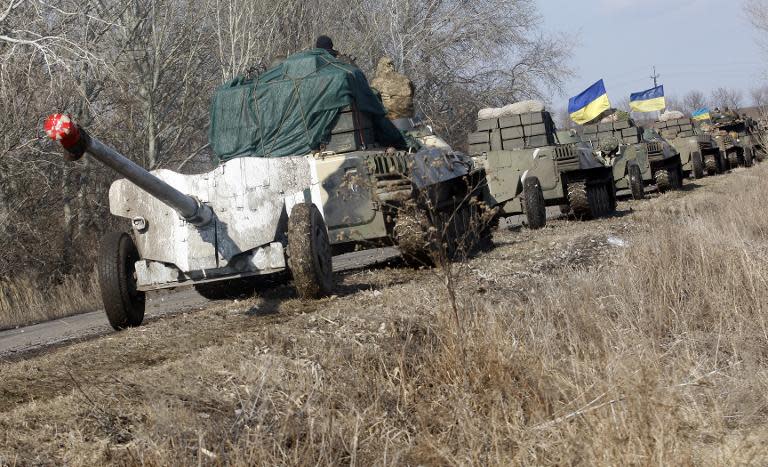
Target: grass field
{"type": "Point", "coordinates": [636, 340]}
{"type": "Point", "coordinates": [24, 301]}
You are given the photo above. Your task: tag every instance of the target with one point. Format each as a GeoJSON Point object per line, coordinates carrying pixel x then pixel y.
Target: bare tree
{"type": "Point", "coordinates": [724, 97]}
{"type": "Point", "coordinates": [693, 101]}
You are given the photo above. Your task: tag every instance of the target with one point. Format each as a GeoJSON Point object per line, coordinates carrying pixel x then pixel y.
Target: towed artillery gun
{"type": "Point", "coordinates": [301, 175]}
{"type": "Point", "coordinates": [665, 166]}
{"type": "Point", "coordinates": [699, 152]}
{"type": "Point", "coordinates": [527, 168]}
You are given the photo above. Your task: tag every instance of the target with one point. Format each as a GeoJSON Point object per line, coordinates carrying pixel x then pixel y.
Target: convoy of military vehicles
{"type": "Point", "coordinates": [310, 164]}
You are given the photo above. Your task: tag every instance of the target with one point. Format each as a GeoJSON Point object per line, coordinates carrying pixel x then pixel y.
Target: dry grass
{"type": "Point", "coordinates": [24, 301]}
{"type": "Point", "coordinates": [652, 354]}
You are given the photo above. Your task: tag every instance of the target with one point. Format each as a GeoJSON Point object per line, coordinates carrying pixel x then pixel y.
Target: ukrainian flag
{"type": "Point", "coordinates": [589, 104]}
{"type": "Point", "coordinates": [701, 114]}
{"type": "Point", "coordinates": [648, 101]}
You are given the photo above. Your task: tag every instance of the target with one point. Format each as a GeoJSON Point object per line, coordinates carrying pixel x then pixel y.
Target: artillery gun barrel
{"type": "Point", "coordinates": [77, 141]}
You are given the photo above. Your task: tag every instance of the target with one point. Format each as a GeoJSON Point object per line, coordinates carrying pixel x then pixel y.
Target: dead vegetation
{"type": "Point", "coordinates": [24, 301]}
{"type": "Point", "coordinates": [628, 341]}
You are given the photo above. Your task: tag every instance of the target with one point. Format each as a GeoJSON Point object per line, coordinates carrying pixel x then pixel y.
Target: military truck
{"type": "Point", "coordinates": [307, 164]}
{"type": "Point", "coordinates": [631, 168]}
{"type": "Point", "coordinates": [734, 136]}
{"type": "Point", "coordinates": [664, 161]}
{"type": "Point", "coordinates": [527, 169]}
{"type": "Point", "coordinates": [699, 152]}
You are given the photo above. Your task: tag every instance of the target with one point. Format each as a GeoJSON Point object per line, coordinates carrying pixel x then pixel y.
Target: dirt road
{"type": "Point", "coordinates": [29, 339]}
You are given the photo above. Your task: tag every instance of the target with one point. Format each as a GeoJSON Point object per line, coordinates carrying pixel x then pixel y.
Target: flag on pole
{"type": "Point", "coordinates": [702, 114]}
{"type": "Point", "coordinates": [589, 104]}
{"type": "Point", "coordinates": [649, 100]}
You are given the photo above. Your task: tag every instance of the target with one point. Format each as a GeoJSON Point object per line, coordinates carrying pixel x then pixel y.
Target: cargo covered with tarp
{"type": "Point", "coordinates": [292, 108]}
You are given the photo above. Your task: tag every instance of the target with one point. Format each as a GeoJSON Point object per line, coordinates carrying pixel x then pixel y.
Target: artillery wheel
{"type": "Point", "coordinates": [309, 252]}
{"type": "Point", "coordinates": [636, 182]}
{"type": "Point", "coordinates": [748, 157]}
{"type": "Point", "coordinates": [663, 183]}
{"type": "Point", "coordinates": [123, 303]}
{"type": "Point", "coordinates": [533, 203]}
{"type": "Point", "coordinates": [698, 165]}
{"type": "Point", "coordinates": [578, 201]}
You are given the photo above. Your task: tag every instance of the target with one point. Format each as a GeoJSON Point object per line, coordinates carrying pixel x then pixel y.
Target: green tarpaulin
{"type": "Point", "coordinates": [290, 109]}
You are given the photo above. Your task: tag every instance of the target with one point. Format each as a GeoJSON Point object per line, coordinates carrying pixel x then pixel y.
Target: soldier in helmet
{"type": "Point", "coordinates": [325, 42]}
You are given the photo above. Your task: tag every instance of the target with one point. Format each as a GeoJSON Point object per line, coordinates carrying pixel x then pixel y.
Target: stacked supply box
{"type": "Point", "coordinates": [353, 131]}
{"type": "Point", "coordinates": [524, 131]}
{"type": "Point", "coordinates": [678, 128]}
{"type": "Point", "coordinates": [624, 130]}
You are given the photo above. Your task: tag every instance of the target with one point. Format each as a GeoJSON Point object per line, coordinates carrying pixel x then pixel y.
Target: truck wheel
{"type": "Point", "coordinates": [533, 203]}
{"type": "Point", "coordinates": [676, 177]}
{"type": "Point", "coordinates": [414, 237]}
{"type": "Point", "coordinates": [733, 160]}
{"type": "Point", "coordinates": [123, 303]}
{"type": "Point", "coordinates": [309, 252]}
{"type": "Point", "coordinates": [698, 165]}
{"type": "Point", "coordinates": [711, 165]}
{"type": "Point", "coordinates": [579, 201]}
{"type": "Point", "coordinates": [748, 157]}
{"type": "Point", "coordinates": [663, 183]}
{"type": "Point", "coordinates": [636, 182]}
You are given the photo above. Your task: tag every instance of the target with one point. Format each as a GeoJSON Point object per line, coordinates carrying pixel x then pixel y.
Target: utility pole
{"type": "Point", "coordinates": [655, 77]}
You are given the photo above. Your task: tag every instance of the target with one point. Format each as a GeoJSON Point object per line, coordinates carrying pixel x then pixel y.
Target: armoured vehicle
{"type": "Point", "coordinates": [664, 160]}
{"type": "Point", "coordinates": [629, 162]}
{"type": "Point", "coordinates": [734, 136]}
{"type": "Point", "coordinates": [527, 169]}
{"type": "Point", "coordinates": [308, 164]}
{"type": "Point", "coordinates": [699, 152]}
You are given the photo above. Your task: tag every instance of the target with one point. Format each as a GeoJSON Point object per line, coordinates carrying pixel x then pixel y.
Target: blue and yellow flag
{"type": "Point", "coordinates": [589, 104]}
{"type": "Point", "coordinates": [650, 100]}
{"type": "Point", "coordinates": [701, 114]}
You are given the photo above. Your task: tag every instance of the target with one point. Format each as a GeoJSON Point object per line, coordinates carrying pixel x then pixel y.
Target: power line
{"type": "Point", "coordinates": [655, 76]}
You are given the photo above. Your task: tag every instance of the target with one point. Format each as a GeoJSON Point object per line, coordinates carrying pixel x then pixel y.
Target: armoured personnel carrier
{"type": "Point", "coordinates": [664, 160]}
{"type": "Point", "coordinates": [527, 169]}
{"type": "Point", "coordinates": [699, 152]}
{"type": "Point", "coordinates": [629, 162]}
{"type": "Point", "coordinates": [734, 136]}
{"type": "Point", "coordinates": [308, 164]}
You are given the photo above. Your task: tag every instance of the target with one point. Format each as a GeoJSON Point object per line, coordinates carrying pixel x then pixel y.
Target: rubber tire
{"type": "Point", "coordinates": [636, 182]}
{"type": "Point", "coordinates": [309, 252]}
{"type": "Point", "coordinates": [579, 201]}
{"type": "Point", "coordinates": [676, 177]}
{"type": "Point", "coordinates": [748, 157]}
{"type": "Point", "coordinates": [698, 165]}
{"type": "Point", "coordinates": [733, 160]}
{"type": "Point", "coordinates": [533, 203]}
{"type": "Point", "coordinates": [663, 183]}
{"type": "Point", "coordinates": [123, 304]}
{"type": "Point", "coordinates": [711, 165]}
{"type": "Point", "coordinates": [226, 290]}
{"type": "Point", "coordinates": [414, 237]}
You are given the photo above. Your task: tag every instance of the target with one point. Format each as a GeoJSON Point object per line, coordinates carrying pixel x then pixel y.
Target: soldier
{"type": "Point", "coordinates": [396, 90]}
{"type": "Point", "coordinates": [325, 42]}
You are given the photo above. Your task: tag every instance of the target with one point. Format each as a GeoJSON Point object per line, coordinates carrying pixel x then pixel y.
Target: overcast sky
{"type": "Point", "coordinates": [620, 41]}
